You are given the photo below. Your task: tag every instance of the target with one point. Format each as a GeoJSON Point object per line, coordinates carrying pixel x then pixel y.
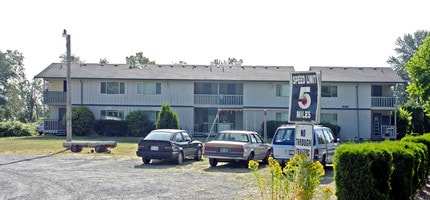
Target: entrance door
{"type": "Point", "coordinates": [377, 124]}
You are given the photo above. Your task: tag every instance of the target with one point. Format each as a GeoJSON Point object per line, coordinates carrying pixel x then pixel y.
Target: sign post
{"type": "Point", "coordinates": [305, 109]}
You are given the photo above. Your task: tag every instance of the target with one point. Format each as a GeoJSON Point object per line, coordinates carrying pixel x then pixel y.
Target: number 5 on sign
{"type": "Point", "coordinates": [304, 97]}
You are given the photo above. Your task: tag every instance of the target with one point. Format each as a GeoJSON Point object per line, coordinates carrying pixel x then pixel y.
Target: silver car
{"type": "Point", "coordinates": [236, 146]}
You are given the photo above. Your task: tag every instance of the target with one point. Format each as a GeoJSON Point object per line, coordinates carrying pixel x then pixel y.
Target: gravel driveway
{"type": "Point", "coordinates": [87, 176]}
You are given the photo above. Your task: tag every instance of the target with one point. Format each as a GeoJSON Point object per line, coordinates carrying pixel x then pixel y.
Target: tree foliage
{"type": "Point", "coordinates": [19, 98]}
{"type": "Point", "coordinates": [138, 123]}
{"type": "Point", "coordinates": [418, 69]}
{"type": "Point", "coordinates": [228, 62]}
{"type": "Point", "coordinates": [405, 49]}
{"type": "Point", "coordinates": [138, 60]}
{"type": "Point", "coordinates": [167, 118]}
{"type": "Point", "coordinates": [75, 58]}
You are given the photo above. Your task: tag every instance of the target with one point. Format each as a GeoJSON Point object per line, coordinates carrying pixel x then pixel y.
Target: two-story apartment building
{"type": "Point", "coordinates": [359, 100]}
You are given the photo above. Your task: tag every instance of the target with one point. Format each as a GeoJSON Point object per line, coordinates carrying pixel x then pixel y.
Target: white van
{"type": "Point", "coordinates": [324, 144]}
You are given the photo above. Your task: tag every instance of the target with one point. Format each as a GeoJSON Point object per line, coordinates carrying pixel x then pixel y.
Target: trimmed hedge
{"type": "Point", "coordinates": [386, 170]}
{"type": "Point", "coordinates": [111, 128]}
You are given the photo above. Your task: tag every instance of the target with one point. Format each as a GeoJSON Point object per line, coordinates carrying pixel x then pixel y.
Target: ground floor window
{"type": "Point", "coordinates": [329, 118]}
{"type": "Point", "coordinates": [112, 114]}
{"type": "Point", "coordinates": [283, 116]}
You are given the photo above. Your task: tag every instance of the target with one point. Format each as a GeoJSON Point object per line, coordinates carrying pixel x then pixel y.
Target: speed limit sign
{"type": "Point", "coordinates": [305, 97]}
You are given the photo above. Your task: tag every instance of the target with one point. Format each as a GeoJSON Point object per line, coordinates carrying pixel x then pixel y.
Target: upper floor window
{"type": "Point", "coordinates": [148, 88]}
{"type": "Point", "coordinates": [329, 91]}
{"type": "Point", "coordinates": [112, 87]}
{"type": "Point", "coordinates": [112, 114]}
{"type": "Point", "coordinates": [282, 90]}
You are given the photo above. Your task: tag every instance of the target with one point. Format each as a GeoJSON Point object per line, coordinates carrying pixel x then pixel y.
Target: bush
{"type": "Point", "coordinates": [167, 118]}
{"type": "Point", "coordinates": [272, 125]}
{"type": "Point", "coordinates": [16, 129]}
{"type": "Point", "coordinates": [114, 128]}
{"type": "Point", "coordinates": [404, 122]}
{"type": "Point", "coordinates": [138, 123]}
{"type": "Point", "coordinates": [82, 120]}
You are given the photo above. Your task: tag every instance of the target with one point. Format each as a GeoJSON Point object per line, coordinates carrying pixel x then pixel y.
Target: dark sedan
{"type": "Point", "coordinates": [169, 144]}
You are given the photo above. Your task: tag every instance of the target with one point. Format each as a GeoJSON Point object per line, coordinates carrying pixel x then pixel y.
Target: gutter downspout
{"type": "Point", "coordinates": [82, 92]}
{"type": "Point", "coordinates": [358, 115]}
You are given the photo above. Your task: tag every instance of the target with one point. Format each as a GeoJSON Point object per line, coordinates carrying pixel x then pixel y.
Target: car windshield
{"type": "Point", "coordinates": [231, 137]}
{"type": "Point", "coordinates": [158, 135]}
{"type": "Point", "coordinates": [284, 136]}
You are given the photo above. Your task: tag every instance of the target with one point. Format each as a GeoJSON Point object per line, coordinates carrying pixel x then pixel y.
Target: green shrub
{"type": "Point", "coordinates": [404, 122]}
{"type": "Point", "coordinates": [138, 123]}
{"type": "Point", "coordinates": [16, 129]}
{"type": "Point", "coordinates": [167, 118]}
{"type": "Point", "coordinates": [82, 120]}
{"type": "Point", "coordinates": [115, 128]}
{"type": "Point", "coordinates": [362, 171]}
{"type": "Point", "coordinates": [271, 127]}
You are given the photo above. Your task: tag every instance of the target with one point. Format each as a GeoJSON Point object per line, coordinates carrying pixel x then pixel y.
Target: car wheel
{"type": "Point", "coordinates": [198, 155]}
{"type": "Point", "coordinates": [324, 162]}
{"type": "Point", "coordinates": [213, 162]}
{"type": "Point", "coordinates": [250, 157]}
{"type": "Point", "coordinates": [180, 159]}
{"type": "Point", "coordinates": [146, 160]}
{"type": "Point", "coordinates": [266, 159]}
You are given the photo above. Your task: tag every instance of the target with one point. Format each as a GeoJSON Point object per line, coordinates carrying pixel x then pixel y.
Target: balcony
{"type": "Point", "coordinates": [218, 100]}
{"type": "Point", "coordinates": [53, 126]}
{"type": "Point", "coordinates": [384, 102]}
{"type": "Point", "coordinates": [54, 97]}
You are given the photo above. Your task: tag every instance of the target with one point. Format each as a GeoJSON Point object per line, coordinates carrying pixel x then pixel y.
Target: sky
{"type": "Point", "coordinates": [300, 33]}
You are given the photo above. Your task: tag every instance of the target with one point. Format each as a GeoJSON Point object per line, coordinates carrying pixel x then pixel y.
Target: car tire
{"type": "Point", "coordinates": [180, 158]}
{"type": "Point", "coordinates": [146, 160]}
{"type": "Point", "coordinates": [266, 159]}
{"type": "Point", "coordinates": [199, 154]}
{"type": "Point", "coordinates": [250, 157]}
{"type": "Point", "coordinates": [324, 162]}
{"type": "Point", "coordinates": [213, 162]}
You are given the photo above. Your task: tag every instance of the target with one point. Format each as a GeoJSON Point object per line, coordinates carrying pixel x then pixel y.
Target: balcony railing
{"type": "Point", "coordinates": [388, 132]}
{"type": "Point", "coordinates": [218, 99]}
{"type": "Point", "coordinates": [54, 97]}
{"type": "Point", "coordinates": [53, 126]}
{"type": "Point", "coordinates": [385, 102]}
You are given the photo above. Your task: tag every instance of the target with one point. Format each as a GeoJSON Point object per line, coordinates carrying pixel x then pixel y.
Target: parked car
{"type": "Point", "coordinates": [234, 146]}
{"type": "Point", "coordinates": [169, 144]}
{"type": "Point", "coordinates": [40, 128]}
{"type": "Point", "coordinates": [324, 144]}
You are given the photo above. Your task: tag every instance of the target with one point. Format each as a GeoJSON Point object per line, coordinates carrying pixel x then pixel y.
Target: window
{"type": "Point", "coordinates": [282, 116]}
{"type": "Point", "coordinates": [186, 136]}
{"type": "Point", "coordinates": [282, 90]}
{"type": "Point", "coordinates": [112, 87]}
{"type": "Point", "coordinates": [152, 115]}
{"type": "Point", "coordinates": [330, 118]}
{"type": "Point", "coordinates": [329, 91]}
{"type": "Point", "coordinates": [148, 88]}
{"type": "Point", "coordinates": [112, 114]}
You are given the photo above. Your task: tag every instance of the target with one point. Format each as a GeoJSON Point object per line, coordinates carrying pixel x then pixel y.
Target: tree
{"type": "Point", "coordinates": [75, 59]}
{"type": "Point", "coordinates": [167, 118]}
{"type": "Point", "coordinates": [405, 50]}
{"type": "Point", "coordinates": [103, 61]}
{"type": "Point", "coordinates": [228, 62]}
{"type": "Point", "coordinates": [138, 59]}
{"type": "Point", "coordinates": [418, 69]}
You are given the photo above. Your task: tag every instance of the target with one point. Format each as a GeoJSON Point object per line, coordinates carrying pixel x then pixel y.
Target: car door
{"type": "Point", "coordinates": [189, 147]}
{"type": "Point", "coordinates": [179, 140]}
{"type": "Point", "coordinates": [331, 144]}
{"type": "Point", "coordinates": [260, 149]}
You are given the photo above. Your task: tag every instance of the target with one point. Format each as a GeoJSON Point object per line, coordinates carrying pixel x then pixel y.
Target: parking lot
{"type": "Point", "coordinates": [94, 176]}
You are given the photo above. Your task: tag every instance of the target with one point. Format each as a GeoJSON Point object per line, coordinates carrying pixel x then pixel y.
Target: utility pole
{"type": "Point", "coordinates": [69, 90]}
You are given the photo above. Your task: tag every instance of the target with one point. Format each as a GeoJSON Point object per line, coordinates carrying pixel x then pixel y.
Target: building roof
{"type": "Point", "coordinates": [216, 73]}
{"type": "Point", "coordinates": [358, 74]}
{"type": "Point", "coordinates": [169, 72]}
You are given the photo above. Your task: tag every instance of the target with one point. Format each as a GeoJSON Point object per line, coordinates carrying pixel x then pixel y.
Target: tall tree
{"type": "Point", "coordinates": [103, 61]}
{"type": "Point", "coordinates": [137, 60]}
{"type": "Point", "coordinates": [405, 49]}
{"type": "Point", "coordinates": [228, 62]}
{"type": "Point", "coordinates": [418, 69]}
